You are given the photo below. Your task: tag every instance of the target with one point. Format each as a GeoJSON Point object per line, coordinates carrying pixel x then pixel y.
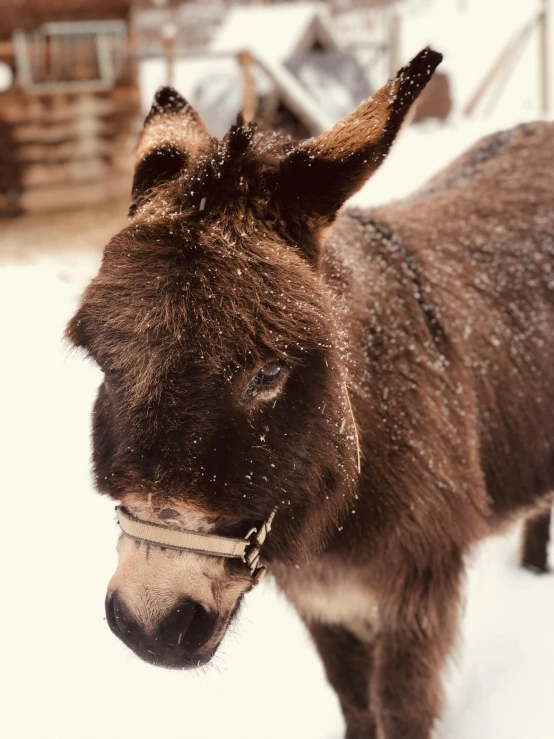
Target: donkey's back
{"type": "Point", "coordinates": [480, 240]}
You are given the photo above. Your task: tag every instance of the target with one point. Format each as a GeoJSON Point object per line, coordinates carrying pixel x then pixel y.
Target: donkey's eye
{"type": "Point", "coordinates": [266, 382]}
{"type": "Point", "coordinates": [271, 370]}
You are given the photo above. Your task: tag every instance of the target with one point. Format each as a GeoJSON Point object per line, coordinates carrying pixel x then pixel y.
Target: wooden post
{"type": "Point", "coordinates": [249, 101]}
{"type": "Point", "coordinates": [394, 43]}
{"type": "Point", "coordinates": [500, 65]}
{"type": "Point", "coordinates": [544, 81]}
{"type": "Point", "coordinates": [169, 31]}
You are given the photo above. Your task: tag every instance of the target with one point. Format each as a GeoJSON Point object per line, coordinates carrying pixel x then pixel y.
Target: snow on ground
{"type": "Point", "coordinates": [65, 676]}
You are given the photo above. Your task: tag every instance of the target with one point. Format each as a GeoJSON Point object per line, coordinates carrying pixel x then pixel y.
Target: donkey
{"type": "Point", "coordinates": [375, 386]}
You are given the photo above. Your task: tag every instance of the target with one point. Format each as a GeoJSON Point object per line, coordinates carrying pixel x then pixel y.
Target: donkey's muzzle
{"type": "Point", "coordinates": [177, 642]}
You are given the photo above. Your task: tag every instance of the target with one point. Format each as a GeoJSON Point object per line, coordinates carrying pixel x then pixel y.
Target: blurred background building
{"type": "Point", "coordinates": [68, 104]}
{"type": "Point", "coordinates": [76, 76]}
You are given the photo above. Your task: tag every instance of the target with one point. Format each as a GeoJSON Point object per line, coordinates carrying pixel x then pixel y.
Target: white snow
{"type": "Point", "coordinates": [66, 677]}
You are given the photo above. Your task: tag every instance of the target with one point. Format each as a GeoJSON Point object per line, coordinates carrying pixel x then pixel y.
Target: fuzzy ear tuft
{"type": "Point", "coordinates": [322, 173]}
{"type": "Point", "coordinates": [173, 138]}
{"type": "Point", "coordinates": [240, 135]}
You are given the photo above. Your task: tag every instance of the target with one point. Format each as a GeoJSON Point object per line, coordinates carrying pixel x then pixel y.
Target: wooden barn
{"type": "Point", "coordinates": [68, 103]}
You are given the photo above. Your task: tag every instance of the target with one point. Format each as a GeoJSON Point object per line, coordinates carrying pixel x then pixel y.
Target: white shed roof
{"type": "Point", "coordinates": [275, 32]}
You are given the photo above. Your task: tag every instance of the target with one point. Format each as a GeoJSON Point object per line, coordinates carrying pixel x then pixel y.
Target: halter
{"type": "Point", "coordinates": [213, 545]}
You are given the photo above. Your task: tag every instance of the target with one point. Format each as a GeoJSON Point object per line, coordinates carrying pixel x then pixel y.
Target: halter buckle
{"type": "Point", "coordinates": [251, 556]}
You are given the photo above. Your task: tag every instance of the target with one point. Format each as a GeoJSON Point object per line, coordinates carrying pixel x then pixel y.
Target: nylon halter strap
{"type": "Point", "coordinates": [213, 545]}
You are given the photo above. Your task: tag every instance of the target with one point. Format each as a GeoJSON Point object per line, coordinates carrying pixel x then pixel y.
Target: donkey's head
{"type": "Point", "coordinates": [225, 372]}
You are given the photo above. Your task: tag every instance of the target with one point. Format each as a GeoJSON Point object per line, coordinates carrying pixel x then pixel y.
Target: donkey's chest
{"type": "Point", "coordinates": [330, 594]}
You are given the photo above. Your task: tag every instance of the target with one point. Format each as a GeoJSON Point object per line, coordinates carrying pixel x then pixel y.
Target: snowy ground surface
{"type": "Point", "coordinates": [65, 676]}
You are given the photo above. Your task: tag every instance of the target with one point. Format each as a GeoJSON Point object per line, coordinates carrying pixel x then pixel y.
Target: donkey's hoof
{"type": "Point", "coordinates": [536, 569]}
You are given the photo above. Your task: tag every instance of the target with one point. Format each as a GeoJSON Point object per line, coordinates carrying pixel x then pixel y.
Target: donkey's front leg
{"type": "Point", "coordinates": [348, 664]}
{"type": "Point", "coordinates": [417, 634]}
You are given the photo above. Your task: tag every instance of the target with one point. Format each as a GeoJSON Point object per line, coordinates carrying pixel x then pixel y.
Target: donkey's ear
{"type": "Point", "coordinates": [173, 137]}
{"type": "Point", "coordinates": [322, 173]}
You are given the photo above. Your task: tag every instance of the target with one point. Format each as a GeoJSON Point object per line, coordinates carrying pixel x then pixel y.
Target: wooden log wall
{"type": "Point", "coordinates": [59, 151]}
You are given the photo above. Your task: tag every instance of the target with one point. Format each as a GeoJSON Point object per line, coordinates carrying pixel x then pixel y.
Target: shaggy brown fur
{"type": "Point", "coordinates": [434, 315]}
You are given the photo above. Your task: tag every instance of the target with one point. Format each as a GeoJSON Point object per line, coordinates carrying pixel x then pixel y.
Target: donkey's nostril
{"type": "Point", "coordinates": [182, 617]}
{"type": "Point", "coordinates": [188, 626]}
